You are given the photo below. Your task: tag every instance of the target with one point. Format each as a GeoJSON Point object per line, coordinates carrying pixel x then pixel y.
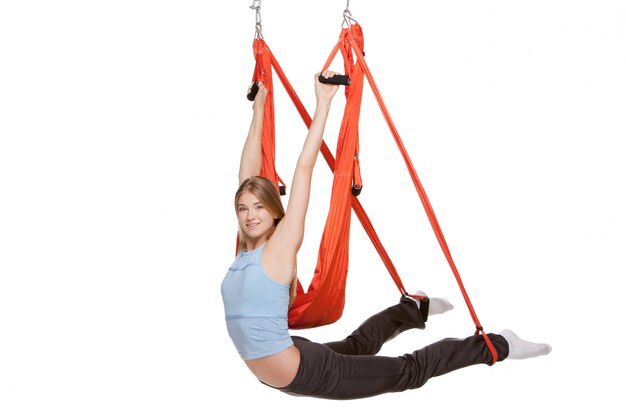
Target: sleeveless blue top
{"type": "Point", "coordinates": [256, 308]}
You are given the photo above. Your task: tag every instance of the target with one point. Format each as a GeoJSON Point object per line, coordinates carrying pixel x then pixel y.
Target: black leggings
{"type": "Point", "coordinates": [349, 369]}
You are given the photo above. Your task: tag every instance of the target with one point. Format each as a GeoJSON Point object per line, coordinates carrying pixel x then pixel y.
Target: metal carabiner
{"type": "Point", "coordinates": [347, 16]}
{"type": "Point", "coordinates": [258, 27]}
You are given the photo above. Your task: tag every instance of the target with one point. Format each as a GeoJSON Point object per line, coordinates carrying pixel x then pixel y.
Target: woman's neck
{"type": "Point", "coordinates": [255, 244]}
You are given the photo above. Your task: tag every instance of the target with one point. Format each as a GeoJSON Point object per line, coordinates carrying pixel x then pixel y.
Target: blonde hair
{"type": "Point", "coordinates": [268, 195]}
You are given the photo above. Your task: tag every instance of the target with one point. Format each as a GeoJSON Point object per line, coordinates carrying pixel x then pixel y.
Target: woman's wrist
{"type": "Point", "coordinates": [257, 114]}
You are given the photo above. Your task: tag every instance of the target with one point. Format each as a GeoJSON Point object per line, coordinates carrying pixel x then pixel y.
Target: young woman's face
{"type": "Point", "coordinates": [254, 219]}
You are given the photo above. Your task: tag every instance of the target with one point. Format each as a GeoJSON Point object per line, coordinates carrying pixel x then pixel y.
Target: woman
{"type": "Point", "coordinates": [259, 287]}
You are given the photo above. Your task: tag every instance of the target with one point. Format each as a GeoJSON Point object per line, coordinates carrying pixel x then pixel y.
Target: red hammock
{"type": "Point", "coordinates": [323, 302]}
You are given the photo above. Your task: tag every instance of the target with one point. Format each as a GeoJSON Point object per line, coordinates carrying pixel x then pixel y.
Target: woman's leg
{"type": "Point", "coordinates": [326, 374]}
{"type": "Point", "coordinates": [370, 336]}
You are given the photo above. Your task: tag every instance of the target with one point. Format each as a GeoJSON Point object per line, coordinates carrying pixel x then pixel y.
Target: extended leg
{"type": "Point", "coordinates": [324, 373]}
{"type": "Point", "coordinates": [370, 336]}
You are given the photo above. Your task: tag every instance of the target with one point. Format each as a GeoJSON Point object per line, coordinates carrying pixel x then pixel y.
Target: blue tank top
{"type": "Point", "coordinates": [256, 308]}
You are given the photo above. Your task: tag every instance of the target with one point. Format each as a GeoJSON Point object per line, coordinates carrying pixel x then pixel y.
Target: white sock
{"type": "Point", "coordinates": [436, 306]}
{"type": "Point", "coordinates": [522, 349]}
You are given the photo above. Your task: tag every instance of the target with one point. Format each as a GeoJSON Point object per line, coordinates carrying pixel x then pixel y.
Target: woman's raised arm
{"type": "Point", "coordinates": [251, 157]}
{"type": "Point", "coordinates": [292, 225]}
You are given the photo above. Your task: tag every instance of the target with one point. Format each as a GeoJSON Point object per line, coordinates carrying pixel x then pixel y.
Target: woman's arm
{"type": "Point", "coordinates": [292, 225]}
{"type": "Point", "coordinates": [251, 157]}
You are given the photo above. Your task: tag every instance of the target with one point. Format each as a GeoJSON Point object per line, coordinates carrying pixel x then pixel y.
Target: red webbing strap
{"type": "Point", "coordinates": [328, 156]}
{"type": "Point", "coordinates": [422, 193]}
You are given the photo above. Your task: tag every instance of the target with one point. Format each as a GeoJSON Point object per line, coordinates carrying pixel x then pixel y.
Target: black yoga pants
{"type": "Point", "coordinates": [349, 369]}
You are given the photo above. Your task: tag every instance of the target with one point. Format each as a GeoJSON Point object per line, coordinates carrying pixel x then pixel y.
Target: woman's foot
{"type": "Point", "coordinates": [439, 306]}
{"type": "Point", "coordinates": [522, 349]}
{"type": "Point", "coordinates": [436, 306]}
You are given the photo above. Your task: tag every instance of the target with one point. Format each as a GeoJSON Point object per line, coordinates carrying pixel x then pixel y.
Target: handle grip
{"type": "Point", "coordinates": [336, 79]}
{"type": "Point", "coordinates": [253, 90]}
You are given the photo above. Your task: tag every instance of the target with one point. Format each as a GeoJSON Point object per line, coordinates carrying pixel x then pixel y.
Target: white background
{"type": "Point", "coordinates": [121, 124]}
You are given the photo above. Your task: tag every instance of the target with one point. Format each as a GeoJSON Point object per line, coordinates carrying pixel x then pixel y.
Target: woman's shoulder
{"type": "Point", "coordinates": [279, 260]}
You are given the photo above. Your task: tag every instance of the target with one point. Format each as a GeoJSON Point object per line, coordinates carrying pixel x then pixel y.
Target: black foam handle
{"type": "Point", "coordinates": [337, 79]}
{"type": "Point", "coordinates": [253, 90]}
